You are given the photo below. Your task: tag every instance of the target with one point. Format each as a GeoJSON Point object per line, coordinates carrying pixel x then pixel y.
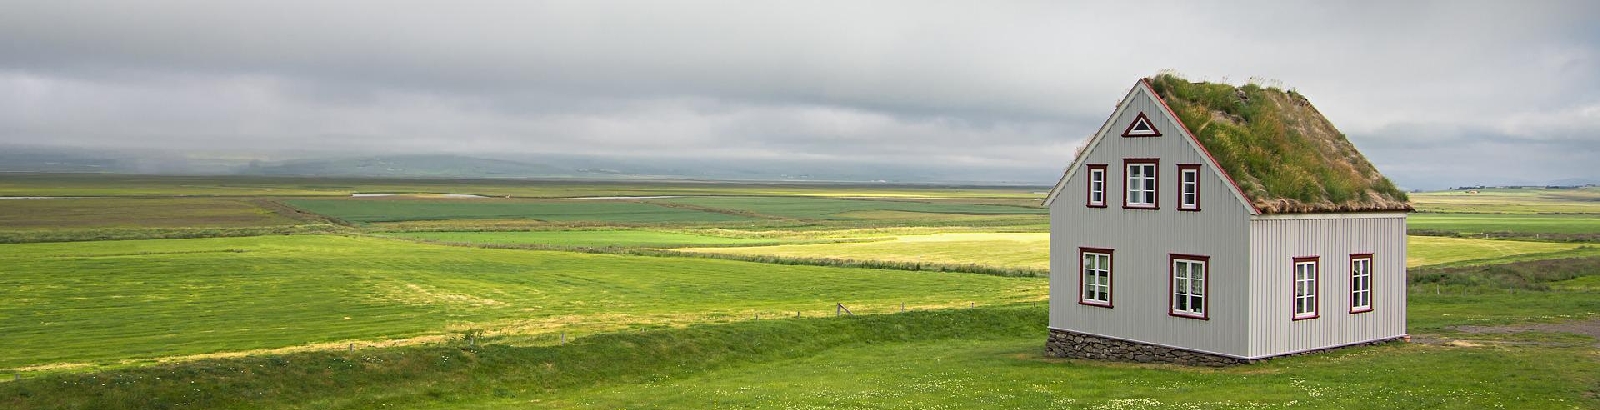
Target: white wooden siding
{"type": "Point", "coordinates": [1277, 239]}
{"type": "Point", "coordinates": [1143, 239]}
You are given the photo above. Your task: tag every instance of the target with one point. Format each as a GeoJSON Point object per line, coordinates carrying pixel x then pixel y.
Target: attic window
{"type": "Point", "coordinates": [1097, 186]}
{"type": "Point", "coordinates": [1139, 189]}
{"type": "Point", "coordinates": [1141, 127]}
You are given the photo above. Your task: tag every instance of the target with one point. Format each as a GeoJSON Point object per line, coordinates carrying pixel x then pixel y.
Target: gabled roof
{"type": "Point", "coordinates": [1279, 153]}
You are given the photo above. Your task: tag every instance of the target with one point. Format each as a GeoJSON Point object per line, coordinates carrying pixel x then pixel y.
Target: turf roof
{"type": "Point", "coordinates": [1283, 154]}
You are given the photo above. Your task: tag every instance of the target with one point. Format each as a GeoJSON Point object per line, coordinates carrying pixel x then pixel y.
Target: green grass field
{"type": "Point", "coordinates": [1433, 250]}
{"type": "Point", "coordinates": [597, 238]}
{"type": "Point", "coordinates": [106, 301]}
{"type": "Point", "coordinates": [263, 321]}
{"type": "Point", "coordinates": [1513, 223]}
{"type": "Point", "coordinates": [74, 213]}
{"type": "Point", "coordinates": [389, 210]}
{"type": "Point", "coordinates": [845, 209]}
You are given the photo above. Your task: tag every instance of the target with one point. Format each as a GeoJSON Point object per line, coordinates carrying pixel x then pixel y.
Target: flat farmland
{"type": "Point", "coordinates": [1000, 250]}
{"type": "Point", "coordinates": [850, 209]}
{"type": "Point", "coordinates": [592, 238]}
{"type": "Point", "coordinates": [391, 210]}
{"type": "Point", "coordinates": [1511, 201]}
{"type": "Point", "coordinates": [112, 301]}
{"type": "Point", "coordinates": [1433, 250]}
{"type": "Point", "coordinates": [1509, 223]}
{"type": "Point", "coordinates": [89, 213]}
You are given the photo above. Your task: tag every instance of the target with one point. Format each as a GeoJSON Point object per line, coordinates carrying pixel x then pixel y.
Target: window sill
{"type": "Point", "coordinates": [1361, 310]}
{"type": "Point", "coordinates": [1097, 304]}
{"type": "Point", "coordinates": [1307, 317]}
{"type": "Point", "coordinates": [1188, 315]}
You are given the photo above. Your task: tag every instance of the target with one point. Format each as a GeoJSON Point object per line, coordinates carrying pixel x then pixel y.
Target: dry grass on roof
{"type": "Point", "coordinates": [1285, 156]}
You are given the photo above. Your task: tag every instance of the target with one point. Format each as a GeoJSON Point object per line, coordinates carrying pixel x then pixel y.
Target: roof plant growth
{"type": "Point", "coordinates": [1284, 155]}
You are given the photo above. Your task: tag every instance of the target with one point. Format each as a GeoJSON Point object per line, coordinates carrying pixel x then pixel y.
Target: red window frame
{"type": "Point", "coordinates": [1128, 132]}
{"type": "Point", "coordinates": [1370, 274]}
{"type": "Point", "coordinates": [1172, 291]}
{"type": "Point", "coordinates": [1105, 177]}
{"type": "Point", "coordinates": [1186, 168]}
{"type": "Point", "coordinates": [1316, 287]}
{"type": "Point", "coordinates": [1155, 185]}
{"type": "Point", "coordinates": [1111, 274]}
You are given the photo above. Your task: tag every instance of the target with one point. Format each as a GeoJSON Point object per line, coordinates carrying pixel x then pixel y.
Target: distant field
{"type": "Point", "coordinates": [1433, 250]}
{"type": "Point", "coordinates": [390, 210]}
{"type": "Point", "coordinates": [1513, 223]}
{"type": "Point", "coordinates": [75, 213]}
{"type": "Point", "coordinates": [1008, 250]}
{"type": "Point", "coordinates": [636, 238]}
{"type": "Point", "coordinates": [826, 208]}
{"type": "Point", "coordinates": [113, 300]}
{"type": "Point", "coordinates": [1519, 201]}
{"type": "Point", "coordinates": [21, 184]}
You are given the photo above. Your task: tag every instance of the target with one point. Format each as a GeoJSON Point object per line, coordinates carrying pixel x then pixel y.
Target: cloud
{"type": "Point", "coordinates": [981, 85]}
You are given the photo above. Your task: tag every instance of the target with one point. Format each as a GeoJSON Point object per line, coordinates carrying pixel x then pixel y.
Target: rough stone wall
{"type": "Point", "coordinates": [1067, 344]}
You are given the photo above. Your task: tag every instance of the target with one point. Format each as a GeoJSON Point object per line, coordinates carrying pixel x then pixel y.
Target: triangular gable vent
{"type": "Point", "coordinates": [1141, 128]}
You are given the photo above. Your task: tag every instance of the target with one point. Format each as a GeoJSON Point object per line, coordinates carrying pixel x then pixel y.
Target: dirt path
{"type": "Point", "coordinates": [1590, 328]}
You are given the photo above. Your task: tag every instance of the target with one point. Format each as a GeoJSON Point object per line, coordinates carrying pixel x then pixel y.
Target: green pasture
{"type": "Point", "coordinates": [1434, 250]}
{"type": "Point", "coordinates": [95, 213]}
{"type": "Point", "coordinates": [1512, 223]}
{"type": "Point", "coordinates": [106, 301]}
{"type": "Point", "coordinates": [1006, 371]}
{"type": "Point", "coordinates": [388, 210]}
{"type": "Point", "coordinates": [845, 209]}
{"type": "Point", "coordinates": [1511, 201]}
{"type": "Point", "coordinates": [595, 238]}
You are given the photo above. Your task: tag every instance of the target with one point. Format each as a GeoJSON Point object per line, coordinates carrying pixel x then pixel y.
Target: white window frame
{"type": "Point", "coordinates": [1141, 190]}
{"type": "Point", "coordinates": [1095, 273]}
{"type": "Point", "coordinates": [1097, 186]}
{"type": "Point", "coordinates": [1189, 187]}
{"type": "Point", "coordinates": [1305, 287]}
{"type": "Point", "coordinates": [1188, 289]}
{"type": "Point", "coordinates": [1360, 283]}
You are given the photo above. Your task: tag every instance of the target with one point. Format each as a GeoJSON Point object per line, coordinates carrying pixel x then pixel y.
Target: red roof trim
{"type": "Point", "coordinates": [1203, 150]}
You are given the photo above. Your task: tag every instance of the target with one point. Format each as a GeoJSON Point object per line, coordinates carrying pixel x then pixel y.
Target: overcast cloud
{"type": "Point", "coordinates": [1435, 94]}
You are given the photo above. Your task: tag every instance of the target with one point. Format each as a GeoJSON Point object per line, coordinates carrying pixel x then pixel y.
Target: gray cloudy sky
{"type": "Point", "coordinates": [1435, 93]}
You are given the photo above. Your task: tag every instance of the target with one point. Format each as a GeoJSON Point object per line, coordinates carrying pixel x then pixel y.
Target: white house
{"type": "Point", "coordinates": [1212, 224]}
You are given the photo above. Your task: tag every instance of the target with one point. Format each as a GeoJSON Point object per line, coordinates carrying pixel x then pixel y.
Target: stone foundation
{"type": "Point", "coordinates": [1068, 344]}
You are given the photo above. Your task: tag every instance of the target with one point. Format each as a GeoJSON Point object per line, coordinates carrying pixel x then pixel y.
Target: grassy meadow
{"type": "Point", "coordinates": [461, 303]}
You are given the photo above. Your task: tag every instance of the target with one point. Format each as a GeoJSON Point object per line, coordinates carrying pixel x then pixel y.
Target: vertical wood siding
{"type": "Point", "coordinates": [1143, 239]}
{"type": "Point", "coordinates": [1277, 240]}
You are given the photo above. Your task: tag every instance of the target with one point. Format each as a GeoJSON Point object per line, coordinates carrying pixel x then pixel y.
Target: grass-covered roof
{"type": "Point", "coordinates": [1284, 155]}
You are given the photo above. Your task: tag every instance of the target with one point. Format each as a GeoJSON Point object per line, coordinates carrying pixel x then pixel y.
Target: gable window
{"type": "Point", "coordinates": [1140, 185]}
{"type": "Point", "coordinates": [1188, 187]}
{"type": "Point", "coordinates": [1360, 283]}
{"type": "Point", "coordinates": [1189, 285]}
{"type": "Point", "coordinates": [1097, 186]}
{"type": "Point", "coordinates": [1305, 288]}
{"type": "Point", "coordinates": [1141, 127]}
{"type": "Point", "coordinates": [1095, 276]}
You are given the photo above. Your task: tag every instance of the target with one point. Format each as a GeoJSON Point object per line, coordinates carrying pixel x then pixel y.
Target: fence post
{"type": "Point", "coordinates": [902, 307]}
{"type": "Point", "coordinates": [563, 337]}
{"type": "Point", "coordinates": [352, 347]}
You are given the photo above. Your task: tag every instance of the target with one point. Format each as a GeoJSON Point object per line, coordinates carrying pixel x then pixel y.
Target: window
{"type": "Point", "coordinates": [1305, 288]}
{"type": "Point", "coordinates": [1188, 187]}
{"type": "Point", "coordinates": [1095, 276]}
{"type": "Point", "coordinates": [1140, 127]}
{"type": "Point", "coordinates": [1360, 283]}
{"type": "Point", "coordinates": [1141, 184]}
{"type": "Point", "coordinates": [1097, 185]}
{"type": "Point", "coordinates": [1189, 286]}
